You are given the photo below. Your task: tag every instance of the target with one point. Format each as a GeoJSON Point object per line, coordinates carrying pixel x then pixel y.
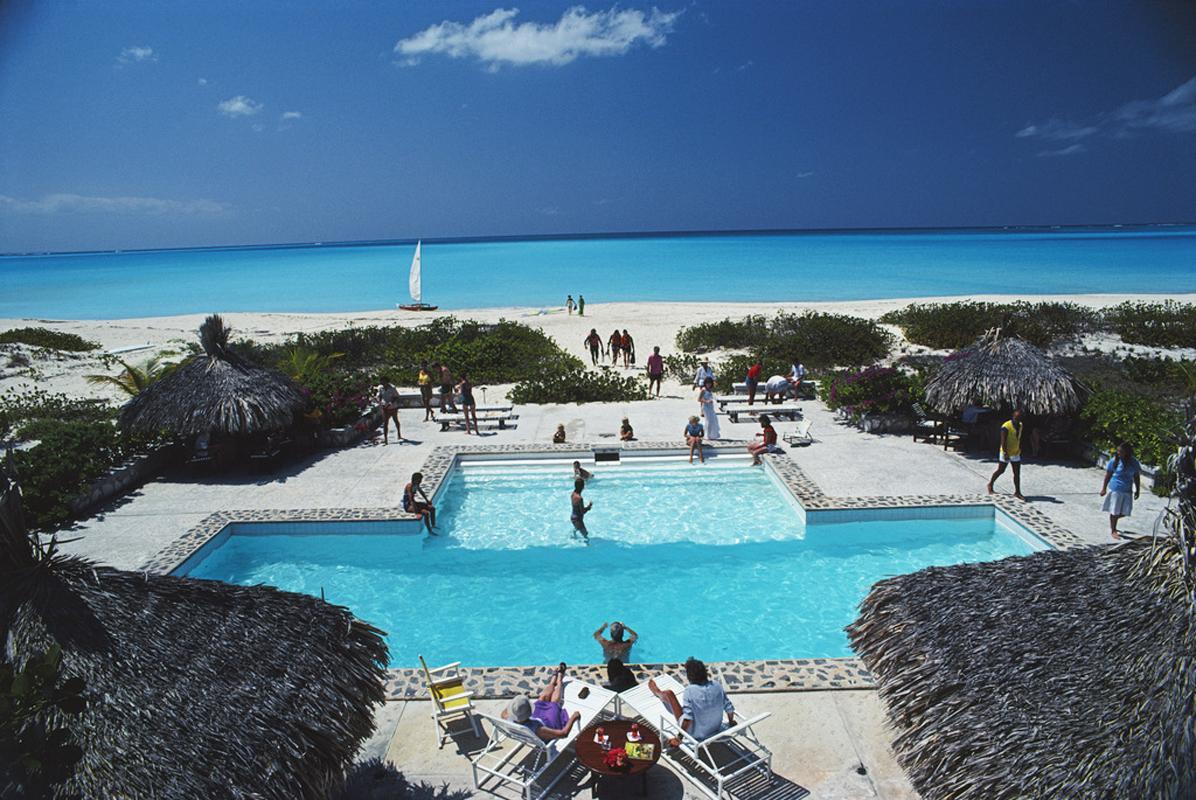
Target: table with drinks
{"type": "Point", "coordinates": [618, 748]}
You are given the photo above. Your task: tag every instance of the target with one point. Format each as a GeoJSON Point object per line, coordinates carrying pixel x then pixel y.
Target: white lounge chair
{"type": "Point", "coordinates": [800, 436]}
{"type": "Point", "coordinates": [450, 700]}
{"type": "Point", "coordinates": [778, 410]}
{"type": "Point", "coordinates": [528, 758]}
{"type": "Point", "coordinates": [711, 764]}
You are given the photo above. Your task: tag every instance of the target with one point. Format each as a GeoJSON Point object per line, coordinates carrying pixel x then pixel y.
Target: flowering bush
{"type": "Point", "coordinates": [875, 390]}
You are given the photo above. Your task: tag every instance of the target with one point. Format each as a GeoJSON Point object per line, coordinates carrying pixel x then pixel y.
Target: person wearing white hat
{"type": "Point", "coordinates": [547, 717]}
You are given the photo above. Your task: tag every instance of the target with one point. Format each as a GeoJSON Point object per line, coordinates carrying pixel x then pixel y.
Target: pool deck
{"type": "Point", "coordinates": [819, 737]}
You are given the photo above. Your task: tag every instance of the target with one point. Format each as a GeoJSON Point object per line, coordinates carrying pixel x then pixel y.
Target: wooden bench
{"type": "Point", "coordinates": [491, 417]}
{"type": "Point", "coordinates": [781, 411]}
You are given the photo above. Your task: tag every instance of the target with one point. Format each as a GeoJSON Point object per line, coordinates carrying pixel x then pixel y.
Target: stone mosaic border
{"type": "Point", "coordinates": [817, 674]}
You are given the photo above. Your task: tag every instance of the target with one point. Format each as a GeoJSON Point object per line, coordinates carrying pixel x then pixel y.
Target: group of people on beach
{"type": "Point", "coordinates": [580, 305]}
{"type": "Point", "coordinates": [455, 396]}
{"type": "Point", "coordinates": [618, 344]}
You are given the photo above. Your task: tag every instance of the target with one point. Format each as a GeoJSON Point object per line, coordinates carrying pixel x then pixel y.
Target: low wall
{"type": "Point", "coordinates": [124, 478]}
{"type": "Point", "coordinates": [350, 434]}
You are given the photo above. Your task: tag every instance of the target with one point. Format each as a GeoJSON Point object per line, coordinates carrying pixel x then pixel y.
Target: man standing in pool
{"type": "Point", "coordinates": [580, 509]}
{"type": "Point", "coordinates": [616, 646]}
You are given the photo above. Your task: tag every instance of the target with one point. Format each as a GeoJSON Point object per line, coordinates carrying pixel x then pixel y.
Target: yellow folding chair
{"type": "Point", "coordinates": [450, 700]}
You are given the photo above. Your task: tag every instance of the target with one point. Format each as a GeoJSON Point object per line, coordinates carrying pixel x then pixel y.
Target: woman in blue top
{"type": "Point", "coordinates": [1123, 484]}
{"type": "Point", "coordinates": [693, 437]}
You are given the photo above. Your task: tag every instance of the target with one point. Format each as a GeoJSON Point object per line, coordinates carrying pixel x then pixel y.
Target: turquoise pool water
{"type": "Point", "coordinates": [710, 561]}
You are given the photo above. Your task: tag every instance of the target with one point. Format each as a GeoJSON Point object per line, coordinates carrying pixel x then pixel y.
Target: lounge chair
{"type": "Point", "coordinates": [711, 764]}
{"type": "Point", "coordinates": [926, 427]}
{"type": "Point", "coordinates": [778, 410]}
{"type": "Point", "coordinates": [528, 758]}
{"type": "Point", "coordinates": [450, 700]}
{"type": "Point", "coordinates": [800, 436]}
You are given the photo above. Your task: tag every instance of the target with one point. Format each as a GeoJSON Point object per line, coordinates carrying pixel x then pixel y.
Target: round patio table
{"type": "Point", "coordinates": [592, 755]}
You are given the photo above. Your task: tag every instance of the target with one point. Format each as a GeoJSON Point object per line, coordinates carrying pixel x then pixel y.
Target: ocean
{"type": "Point", "coordinates": [753, 267]}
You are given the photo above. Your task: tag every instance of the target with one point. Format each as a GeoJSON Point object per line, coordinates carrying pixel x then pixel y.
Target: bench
{"type": "Point", "coordinates": [491, 417]}
{"type": "Point", "coordinates": [808, 390]}
{"type": "Point", "coordinates": [781, 411]}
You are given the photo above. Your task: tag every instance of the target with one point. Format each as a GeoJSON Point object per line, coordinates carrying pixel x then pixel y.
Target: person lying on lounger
{"type": "Point", "coordinates": [701, 706]}
{"type": "Point", "coordinates": [546, 718]}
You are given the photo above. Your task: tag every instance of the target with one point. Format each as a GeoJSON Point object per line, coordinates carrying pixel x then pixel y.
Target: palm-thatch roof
{"type": "Point", "coordinates": [1003, 372]}
{"type": "Point", "coordinates": [193, 688]}
{"type": "Point", "coordinates": [217, 392]}
{"type": "Point", "coordinates": [1061, 674]}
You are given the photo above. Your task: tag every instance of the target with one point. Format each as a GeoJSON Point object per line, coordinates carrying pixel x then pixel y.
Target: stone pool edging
{"type": "Point", "coordinates": [773, 675]}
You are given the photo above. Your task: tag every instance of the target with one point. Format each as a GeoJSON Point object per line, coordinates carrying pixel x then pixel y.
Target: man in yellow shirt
{"type": "Point", "coordinates": [1011, 453]}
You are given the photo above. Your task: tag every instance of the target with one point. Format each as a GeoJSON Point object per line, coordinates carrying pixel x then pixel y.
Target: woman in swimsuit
{"type": "Point", "coordinates": [469, 406]}
{"type": "Point", "coordinates": [388, 404]}
{"type": "Point", "coordinates": [580, 509]}
{"type": "Point", "coordinates": [416, 502]}
{"type": "Point", "coordinates": [425, 389]}
{"type": "Point", "coordinates": [628, 348]}
{"type": "Point", "coordinates": [615, 341]}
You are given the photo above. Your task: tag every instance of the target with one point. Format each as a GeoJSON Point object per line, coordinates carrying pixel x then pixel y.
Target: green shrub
{"type": "Point", "coordinates": [19, 410]}
{"type": "Point", "coordinates": [875, 390]}
{"type": "Point", "coordinates": [727, 334]}
{"type": "Point", "coordinates": [733, 369]}
{"type": "Point", "coordinates": [1113, 416]}
{"type": "Point", "coordinates": [950, 326]}
{"type": "Point", "coordinates": [44, 337]}
{"type": "Point", "coordinates": [68, 457]}
{"type": "Point", "coordinates": [573, 383]}
{"type": "Point", "coordinates": [1166, 324]}
{"type": "Point", "coordinates": [681, 366]}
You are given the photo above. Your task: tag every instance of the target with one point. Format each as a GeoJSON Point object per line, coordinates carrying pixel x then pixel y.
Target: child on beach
{"type": "Point", "coordinates": [559, 436]}
{"type": "Point", "coordinates": [626, 433]}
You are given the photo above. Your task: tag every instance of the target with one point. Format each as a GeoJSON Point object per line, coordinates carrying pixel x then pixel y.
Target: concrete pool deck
{"type": "Point", "coordinates": [819, 737]}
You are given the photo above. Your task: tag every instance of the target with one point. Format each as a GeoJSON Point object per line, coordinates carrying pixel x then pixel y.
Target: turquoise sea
{"type": "Point", "coordinates": [758, 267]}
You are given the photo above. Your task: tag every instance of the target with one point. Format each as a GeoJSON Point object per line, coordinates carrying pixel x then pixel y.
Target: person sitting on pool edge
{"type": "Point", "coordinates": [700, 709]}
{"type": "Point", "coordinates": [615, 646]}
{"type": "Point", "coordinates": [693, 437]}
{"type": "Point", "coordinates": [619, 677]}
{"type": "Point", "coordinates": [547, 718]}
{"type": "Point", "coordinates": [626, 432]}
{"type": "Point", "coordinates": [580, 509]}
{"type": "Point", "coordinates": [581, 472]}
{"type": "Point", "coordinates": [416, 502]}
{"type": "Point", "coordinates": [768, 443]}
{"type": "Point", "coordinates": [559, 436]}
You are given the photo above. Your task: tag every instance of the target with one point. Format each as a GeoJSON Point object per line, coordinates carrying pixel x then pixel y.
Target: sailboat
{"type": "Point", "coordinates": [413, 284]}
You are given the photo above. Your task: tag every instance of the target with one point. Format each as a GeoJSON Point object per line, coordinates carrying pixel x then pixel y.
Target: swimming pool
{"type": "Point", "coordinates": [715, 561]}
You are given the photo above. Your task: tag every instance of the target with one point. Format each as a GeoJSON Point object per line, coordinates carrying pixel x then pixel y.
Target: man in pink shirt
{"type": "Point", "coordinates": [655, 370]}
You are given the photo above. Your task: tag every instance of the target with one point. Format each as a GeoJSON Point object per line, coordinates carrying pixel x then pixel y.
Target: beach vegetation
{"type": "Point", "coordinates": [305, 365]}
{"type": "Point", "coordinates": [1166, 324]}
{"type": "Point", "coordinates": [573, 383]}
{"type": "Point", "coordinates": [48, 339]}
{"type": "Point", "coordinates": [134, 378]}
{"type": "Point", "coordinates": [874, 390]}
{"type": "Point", "coordinates": [1112, 416]}
{"type": "Point", "coordinates": [817, 339]}
{"type": "Point", "coordinates": [952, 326]}
{"type": "Point", "coordinates": [681, 366]}
{"type": "Point", "coordinates": [733, 369]}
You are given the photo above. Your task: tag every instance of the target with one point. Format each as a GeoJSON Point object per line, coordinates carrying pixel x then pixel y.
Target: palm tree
{"type": "Point", "coordinates": [135, 378]}
{"type": "Point", "coordinates": [304, 365]}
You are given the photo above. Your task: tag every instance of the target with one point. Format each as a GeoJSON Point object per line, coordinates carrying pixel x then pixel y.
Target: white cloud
{"type": "Point", "coordinates": [203, 81]}
{"type": "Point", "coordinates": [1174, 112]}
{"type": "Point", "coordinates": [496, 39]}
{"type": "Point", "coordinates": [745, 65]}
{"type": "Point", "coordinates": [258, 127]}
{"type": "Point", "coordinates": [83, 204]}
{"type": "Point", "coordinates": [804, 175]}
{"type": "Point", "coordinates": [132, 55]}
{"type": "Point", "coordinates": [292, 115]}
{"type": "Point", "coordinates": [239, 106]}
{"type": "Point", "coordinates": [1070, 150]}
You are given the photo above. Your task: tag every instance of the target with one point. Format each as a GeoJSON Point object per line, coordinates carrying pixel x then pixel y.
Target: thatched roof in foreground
{"type": "Point", "coordinates": [1003, 372]}
{"type": "Point", "coordinates": [217, 392]}
{"type": "Point", "coordinates": [1061, 674]}
{"type": "Point", "coordinates": [195, 688]}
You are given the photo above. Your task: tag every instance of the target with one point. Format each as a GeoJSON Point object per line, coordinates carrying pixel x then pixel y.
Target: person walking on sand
{"type": "Point", "coordinates": [387, 397]}
{"type": "Point", "coordinates": [569, 305]}
{"type": "Point", "coordinates": [1010, 453]}
{"type": "Point", "coordinates": [581, 305]}
{"type": "Point", "coordinates": [615, 342]}
{"type": "Point", "coordinates": [425, 389]}
{"type": "Point", "coordinates": [706, 402]}
{"type": "Point", "coordinates": [628, 346]}
{"type": "Point", "coordinates": [469, 406]}
{"type": "Point", "coordinates": [693, 437]}
{"type": "Point", "coordinates": [655, 370]}
{"type": "Point", "coordinates": [580, 509]}
{"type": "Point", "coordinates": [1122, 474]}
{"type": "Point", "coordinates": [616, 646]}
{"type": "Point", "coordinates": [594, 343]}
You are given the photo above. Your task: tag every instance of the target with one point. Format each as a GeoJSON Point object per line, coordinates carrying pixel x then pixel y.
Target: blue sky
{"type": "Point", "coordinates": [158, 124]}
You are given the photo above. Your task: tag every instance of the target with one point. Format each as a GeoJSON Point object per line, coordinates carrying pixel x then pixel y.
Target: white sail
{"type": "Point", "coordinates": [413, 281]}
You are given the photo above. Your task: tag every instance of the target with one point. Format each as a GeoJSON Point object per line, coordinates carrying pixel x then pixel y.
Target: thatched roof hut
{"type": "Point", "coordinates": [217, 392]}
{"type": "Point", "coordinates": [1003, 372]}
{"type": "Point", "coordinates": [193, 688]}
{"type": "Point", "coordinates": [1061, 674]}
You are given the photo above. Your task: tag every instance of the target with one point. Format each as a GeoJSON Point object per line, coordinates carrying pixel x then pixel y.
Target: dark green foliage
{"type": "Point", "coordinates": [37, 753]}
{"type": "Point", "coordinates": [69, 456]}
{"type": "Point", "coordinates": [1113, 416]}
{"type": "Point", "coordinates": [570, 383]}
{"type": "Point", "coordinates": [951, 326]}
{"type": "Point", "coordinates": [727, 334]}
{"type": "Point", "coordinates": [818, 339]}
{"type": "Point", "coordinates": [733, 369]}
{"type": "Point", "coordinates": [378, 780]}
{"type": "Point", "coordinates": [1166, 324]}
{"type": "Point", "coordinates": [681, 366]}
{"type": "Point", "coordinates": [337, 399]}
{"type": "Point", "coordinates": [18, 410]}
{"type": "Point", "coordinates": [44, 337]}
{"type": "Point", "coordinates": [875, 390]}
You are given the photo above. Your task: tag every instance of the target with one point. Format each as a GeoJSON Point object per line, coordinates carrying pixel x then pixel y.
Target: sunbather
{"type": "Point", "coordinates": [701, 706]}
{"type": "Point", "coordinates": [546, 718]}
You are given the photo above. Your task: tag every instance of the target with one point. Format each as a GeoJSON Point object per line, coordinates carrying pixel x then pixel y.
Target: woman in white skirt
{"type": "Point", "coordinates": [1123, 484]}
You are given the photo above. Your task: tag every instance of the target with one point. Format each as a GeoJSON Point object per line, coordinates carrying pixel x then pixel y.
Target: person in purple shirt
{"type": "Point", "coordinates": [1123, 484]}
{"type": "Point", "coordinates": [655, 370]}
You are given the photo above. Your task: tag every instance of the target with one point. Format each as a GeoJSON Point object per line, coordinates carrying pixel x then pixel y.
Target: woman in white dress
{"type": "Point", "coordinates": [706, 400]}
